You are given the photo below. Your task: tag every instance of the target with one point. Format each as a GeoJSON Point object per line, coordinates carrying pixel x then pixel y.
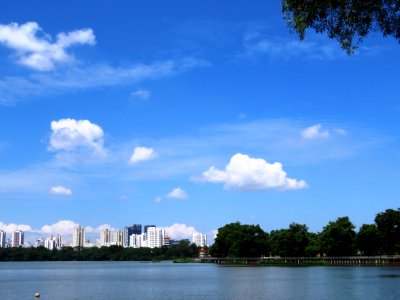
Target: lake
{"type": "Point", "coordinates": [165, 280]}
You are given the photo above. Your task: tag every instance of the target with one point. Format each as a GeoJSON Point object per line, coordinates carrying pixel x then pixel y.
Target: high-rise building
{"type": "Point", "coordinates": [2, 239]}
{"type": "Point", "coordinates": [135, 240]}
{"type": "Point", "coordinates": [78, 237]}
{"type": "Point", "coordinates": [154, 237]}
{"type": "Point", "coordinates": [49, 243]}
{"type": "Point", "coordinates": [17, 238]}
{"type": "Point", "coordinates": [53, 242]}
{"type": "Point", "coordinates": [105, 237]}
{"type": "Point", "coordinates": [118, 238]}
{"type": "Point", "coordinates": [200, 240]}
{"type": "Point", "coordinates": [129, 230]}
{"type": "Point", "coordinates": [58, 241]}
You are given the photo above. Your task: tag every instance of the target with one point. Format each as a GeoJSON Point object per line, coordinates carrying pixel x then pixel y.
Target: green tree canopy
{"type": "Point", "coordinates": [347, 21]}
{"type": "Point", "coordinates": [290, 242]}
{"type": "Point", "coordinates": [388, 223]}
{"type": "Point", "coordinates": [239, 240]}
{"type": "Point", "coordinates": [368, 240]}
{"type": "Point", "coordinates": [338, 238]}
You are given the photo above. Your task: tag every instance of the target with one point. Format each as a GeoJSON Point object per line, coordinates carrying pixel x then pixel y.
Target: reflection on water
{"type": "Point", "coordinates": [132, 280]}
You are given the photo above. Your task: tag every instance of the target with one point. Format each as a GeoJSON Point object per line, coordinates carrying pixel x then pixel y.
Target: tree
{"type": "Point", "coordinates": [338, 238]}
{"type": "Point", "coordinates": [347, 21]}
{"type": "Point", "coordinates": [314, 244]}
{"type": "Point", "coordinates": [388, 223]}
{"type": "Point", "coordinates": [290, 242]}
{"type": "Point", "coordinates": [240, 241]}
{"type": "Point", "coordinates": [368, 240]}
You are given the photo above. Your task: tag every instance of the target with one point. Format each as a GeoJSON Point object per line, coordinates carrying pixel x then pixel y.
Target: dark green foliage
{"type": "Point", "coordinates": [388, 223]}
{"type": "Point", "coordinates": [314, 245]}
{"type": "Point", "coordinates": [347, 21]}
{"type": "Point", "coordinates": [338, 238]}
{"type": "Point", "coordinates": [182, 250]}
{"type": "Point", "coordinates": [290, 242]}
{"type": "Point", "coordinates": [240, 241]}
{"type": "Point", "coordinates": [368, 240]}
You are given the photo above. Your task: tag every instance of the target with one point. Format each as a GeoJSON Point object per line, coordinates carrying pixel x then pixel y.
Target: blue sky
{"type": "Point", "coordinates": [189, 115]}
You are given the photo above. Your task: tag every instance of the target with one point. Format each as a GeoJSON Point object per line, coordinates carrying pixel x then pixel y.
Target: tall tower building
{"type": "Point", "coordinates": [17, 238]}
{"type": "Point", "coordinates": [50, 243]}
{"type": "Point", "coordinates": [105, 237]}
{"type": "Point", "coordinates": [58, 241]}
{"type": "Point", "coordinates": [2, 239]}
{"type": "Point", "coordinates": [129, 230]}
{"type": "Point", "coordinates": [118, 237]}
{"type": "Point", "coordinates": [78, 237]}
{"type": "Point", "coordinates": [200, 240]}
{"type": "Point", "coordinates": [154, 237]}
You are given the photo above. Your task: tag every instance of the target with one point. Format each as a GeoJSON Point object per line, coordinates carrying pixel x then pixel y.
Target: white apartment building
{"type": "Point", "coordinates": [154, 237]}
{"type": "Point", "coordinates": [109, 237]}
{"type": "Point", "coordinates": [135, 240]}
{"type": "Point", "coordinates": [17, 239]}
{"type": "Point", "coordinates": [2, 239]}
{"type": "Point", "coordinates": [53, 242]}
{"type": "Point", "coordinates": [118, 238]}
{"type": "Point", "coordinates": [78, 237]}
{"type": "Point", "coordinates": [105, 237]}
{"type": "Point", "coordinates": [200, 240]}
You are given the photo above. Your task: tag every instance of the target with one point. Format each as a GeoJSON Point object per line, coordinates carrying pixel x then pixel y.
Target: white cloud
{"type": "Point", "coordinates": [34, 48]}
{"type": "Point", "coordinates": [142, 154]}
{"type": "Point", "coordinates": [10, 228]}
{"type": "Point", "coordinates": [60, 190]}
{"type": "Point", "coordinates": [177, 193]}
{"type": "Point", "coordinates": [258, 44]}
{"type": "Point", "coordinates": [340, 131]}
{"type": "Point", "coordinates": [62, 227]}
{"type": "Point", "coordinates": [180, 231]}
{"type": "Point", "coordinates": [14, 88]}
{"type": "Point", "coordinates": [246, 173]}
{"type": "Point", "coordinates": [314, 132]}
{"type": "Point", "coordinates": [70, 134]}
{"type": "Point", "coordinates": [158, 199]}
{"type": "Point", "coordinates": [141, 94]}
{"type": "Point", "coordinates": [99, 228]}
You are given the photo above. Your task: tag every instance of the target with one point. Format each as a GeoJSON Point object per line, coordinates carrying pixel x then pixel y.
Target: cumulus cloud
{"type": "Point", "coordinates": [62, 227]}
{"type": "Point", "coordinates": [70, 134]}
{"type": "Point", "coordinates": [141, 94]}
{"type": "Point", "coordinates": [60, 190]}
{"type": "Point", "coordinates": [314, 132]}
{"type": "Point", "coordinates": [34, 49]}
{"type": "Point", "coordinates": [177, 193]}
{"type": "Point", "coordinates": [142, 154]}
{"type": "Point", "coordinates": [246, 173]}
{"type": "Point", "coordinates": [180, 231]}
{"type": "Point", "coordinates": [10, 228]}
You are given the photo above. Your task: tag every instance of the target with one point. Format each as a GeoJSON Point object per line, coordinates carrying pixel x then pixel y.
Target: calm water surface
{"type": "Point", "coordinates": [133, 280]}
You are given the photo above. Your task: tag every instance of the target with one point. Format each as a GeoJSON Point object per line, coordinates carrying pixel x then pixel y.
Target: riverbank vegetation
{"type": "Point", "coordinates": [178, 252]}
{"type": "Point", "coordinates": [338, 238]}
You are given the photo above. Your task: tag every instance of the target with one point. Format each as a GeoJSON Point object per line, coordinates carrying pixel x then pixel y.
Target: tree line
{"type": "Point", "coordinates": [113, 253]}
{"type": "Point", "coordinates": [338, 238]}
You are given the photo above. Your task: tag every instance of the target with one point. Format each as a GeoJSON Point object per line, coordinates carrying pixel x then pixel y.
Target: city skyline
{"type": "Point", "coordinates": [151, 237]}
{"type": "Point", "coordinates": [191, 115]}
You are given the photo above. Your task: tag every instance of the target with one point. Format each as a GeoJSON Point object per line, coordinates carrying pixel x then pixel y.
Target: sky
{"type": "Point", "coordinates": [189, 115]}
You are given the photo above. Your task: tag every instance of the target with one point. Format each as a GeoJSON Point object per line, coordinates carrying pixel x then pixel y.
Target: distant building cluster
{"type": "Point", "coordinates": [135, 236]}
